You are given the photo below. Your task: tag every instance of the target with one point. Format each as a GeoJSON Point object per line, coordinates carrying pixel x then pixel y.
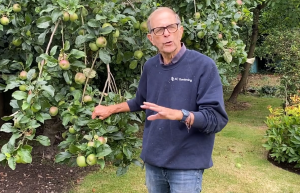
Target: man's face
{"type": "Point", "coordinates": [168, 43]}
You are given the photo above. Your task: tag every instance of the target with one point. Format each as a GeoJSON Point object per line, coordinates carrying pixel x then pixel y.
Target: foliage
{"type": "Point", "coordinates": [216, 32]}
{"type": "Point", "coordinates": [282, 48]}
{"type": "Point", "coordinates": [56, 52]}
{"type": "Point", "coordinates": [280, 15]}
{"type": "Point", "coordinates": [283, 134]}
{"type": "Point", "coordinates": [268, 90]}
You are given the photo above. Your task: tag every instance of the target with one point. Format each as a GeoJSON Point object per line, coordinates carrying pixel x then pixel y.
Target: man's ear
{"type": "Point", "coordinates": [149, 36]}
{"type": "Point", "coordinates": [181, 31]}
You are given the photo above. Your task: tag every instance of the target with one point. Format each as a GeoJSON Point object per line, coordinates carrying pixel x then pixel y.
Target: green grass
{"type": "Point", "coordinates": [240, 142]}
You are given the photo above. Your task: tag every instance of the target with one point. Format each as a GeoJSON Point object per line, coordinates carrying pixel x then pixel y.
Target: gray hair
{"type": "Point", "coordinates": [159, 9]}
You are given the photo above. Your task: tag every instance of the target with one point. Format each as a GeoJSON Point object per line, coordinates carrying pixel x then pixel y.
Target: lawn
{"type": "Point", "coordinates": [240, 161]}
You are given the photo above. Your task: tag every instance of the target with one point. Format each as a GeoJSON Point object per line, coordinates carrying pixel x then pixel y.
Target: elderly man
{"type": "Point", "coordinates": [181, 91]}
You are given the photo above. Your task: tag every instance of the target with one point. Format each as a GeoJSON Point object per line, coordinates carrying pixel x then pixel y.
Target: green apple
{"type": "Point", "coordinates": [101, 42]}
{"type": "Point", "coordinates": [17, 8]}
{"type": "Point", "coordinates": [91, 159]}
{"type": "Point", "coordinates": [81, 161]}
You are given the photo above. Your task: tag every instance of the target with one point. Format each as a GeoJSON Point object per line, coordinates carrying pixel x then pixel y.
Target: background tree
{"type": "Point", "coordinates": [273, 15]}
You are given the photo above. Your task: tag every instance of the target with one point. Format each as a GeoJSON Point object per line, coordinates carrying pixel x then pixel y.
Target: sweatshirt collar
{"type": "Point", "coordinates": [176, 57]}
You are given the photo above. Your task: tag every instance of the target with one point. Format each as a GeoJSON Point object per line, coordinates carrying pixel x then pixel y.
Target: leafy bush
{"type": "Point", "coordinates": [268, 90]}
{"type": "Point", "coordinates": [283, 135]}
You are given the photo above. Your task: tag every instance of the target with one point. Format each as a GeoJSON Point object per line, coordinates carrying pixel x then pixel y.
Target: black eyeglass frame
{"type": "Point", "coordinates": [152, 30]}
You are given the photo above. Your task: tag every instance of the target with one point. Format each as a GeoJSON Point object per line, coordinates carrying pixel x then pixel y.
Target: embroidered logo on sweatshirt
{"type": "Point", "coordinates": [181, 79]}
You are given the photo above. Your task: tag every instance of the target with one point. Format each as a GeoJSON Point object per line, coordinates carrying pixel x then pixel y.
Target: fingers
{"type": "Point", "coordinates": [151, 106]}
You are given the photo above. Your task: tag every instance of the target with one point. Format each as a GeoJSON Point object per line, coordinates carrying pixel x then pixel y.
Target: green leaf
{"type": "Point", "coordinates": [94, 23]}
{"type": "Point", "coordinates": [2, 157]}
{"type": "Point", "coordinates": [7, 148]}
{"type": "Point", "coordinates": [12, 163]}
{"type": "Point", "coordinates": [29, 60]}
{"type": "Point", "coordinates": [24, 119]}
{"type": "Point", "coordinates": [49, 8]}
{"type": "Point", "coordinates": [67, 78]}
{"type": "Point", "coordinates": [44, 140]}
{"type": "Point", "coordinates": [80, 39]}
{"type": "Point", "coordinates": [25, 155]}
{"type": "Point", "coordinates": [7, 128]}
{"type": "Point", "coordinates": [73, 149]}
{"type": "Point", "coordinates": [44, 22]}
{"type": "Point", "coordinates": [103, 151]}
{"type": "Point", "coordinates": [41, 39]}
{"type": "Point", "coordinates": [104, 56]}
{"type": "Point", "coordinates": [13, 138]}
{"type": "Point", "coordinates": [62, 156]}
{"type": "Point", "coordinates": [122, 170]}
{"type": "Point", "coordinates": [7, 118]}
{"type": "Point", "coordinates": [4, 62]}
{"type": "Point", "coordinates": [100, 17]}
{"type": "Point", "coordinates": [11, 85]}
{"type": "Point", "coordinates": [106, 30]}
{"type": "Point", "coordinates": [45, 116]}
{"type": "Point", "coordinates": [130, 40]}
{"type": "Point", "coordinates": [50, 59]}
{"type": "Point", "coordinates": [227, 57]}
{"type": "Point", "coordinates": [95, 123]}
{"type": "Point", "coordinates": [55, 15]}
{"type": "Point", "coordinates": [49, 89]}
{"type": "Point", "coordinates": [39, 117]}
{"type": "Point", "coordinates": [14, 104]}
{"type": "Point", "coordinates": [2, 86]}
{"type": "Point", "coordinates": [53, 50]}
{"type": "Point", "coordinates": [67, 45]}
{"type": "Point", "coordinates": [77, 53]}
{"type": "Point", "coordinates": [133, 64]}
{"type": "Point", "coordinates": [19, 95]}
{"type": "Point", "coordinates": [78, 64]}
{"type": "Point", "coordinates": [25, 105]}
{"type": "Point", "coordinates": [29, 98]}
{"type": "Point", "coordinates": [127, 152]}
{"type": "Point", "coordinates": [31, 74]}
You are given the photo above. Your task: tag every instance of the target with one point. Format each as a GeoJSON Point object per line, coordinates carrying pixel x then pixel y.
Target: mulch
{"type": "Point", "coordinates": [41, 176]}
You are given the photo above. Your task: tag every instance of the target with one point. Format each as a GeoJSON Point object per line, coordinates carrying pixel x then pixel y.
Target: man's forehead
{"type": "Point", "coordinates": [160, 11]}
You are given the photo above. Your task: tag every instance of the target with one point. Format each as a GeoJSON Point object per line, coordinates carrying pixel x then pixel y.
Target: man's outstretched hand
{"type": "Point", "coordinates": [162, 112]}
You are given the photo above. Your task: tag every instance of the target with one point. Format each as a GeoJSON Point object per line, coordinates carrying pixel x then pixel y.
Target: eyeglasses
{"type": "Point", "coordinates": [161, 30]}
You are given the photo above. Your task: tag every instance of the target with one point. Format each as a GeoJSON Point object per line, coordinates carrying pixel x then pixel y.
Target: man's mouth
{"type": "Point", "coordinates": [168, 43]}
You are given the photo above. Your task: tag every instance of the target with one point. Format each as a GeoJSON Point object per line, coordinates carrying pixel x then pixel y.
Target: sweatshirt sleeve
{"type": "Point", "coordinates": [211, 116]}
{"type": "Point", "coordinates": [140, 96]}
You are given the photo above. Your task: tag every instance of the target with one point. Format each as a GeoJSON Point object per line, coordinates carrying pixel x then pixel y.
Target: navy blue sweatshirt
{"type": "Point", "coordinates": [192, 83]}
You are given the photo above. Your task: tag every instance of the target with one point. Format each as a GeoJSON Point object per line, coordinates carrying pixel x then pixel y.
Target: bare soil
{"type": "Point", "coordinates": [45, 176]}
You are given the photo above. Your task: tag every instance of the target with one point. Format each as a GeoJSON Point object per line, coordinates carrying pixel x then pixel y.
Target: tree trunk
{"type": "Point", "coordinates": [1, 108]}
{"type": "Point", "coordinates": [245, 72]}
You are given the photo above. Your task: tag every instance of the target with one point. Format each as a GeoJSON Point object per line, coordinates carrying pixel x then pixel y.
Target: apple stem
{"type": "Point", "coordinates": [48, 47]}
{"type": "Point", "coordinates": [87, 78]}
{"type": "Point", "coordinates": [85, 58]}
{"type": "Point", "coordinates": [195, 6]}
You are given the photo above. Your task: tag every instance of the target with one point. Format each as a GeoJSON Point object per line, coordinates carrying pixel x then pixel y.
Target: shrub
{"type": "Point", "coordinates": [283, 135]}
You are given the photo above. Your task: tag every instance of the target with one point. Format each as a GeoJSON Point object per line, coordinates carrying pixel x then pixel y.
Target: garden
{"type": "Point", "coordinates": [61, 58]}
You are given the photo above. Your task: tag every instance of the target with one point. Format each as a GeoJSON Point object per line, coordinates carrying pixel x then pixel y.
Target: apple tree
{"type": "Point", "coordinates": [61, 58]}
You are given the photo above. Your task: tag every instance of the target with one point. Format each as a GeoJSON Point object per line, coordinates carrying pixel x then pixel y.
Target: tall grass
{"type": "Point", "coordinates": [240, 161]}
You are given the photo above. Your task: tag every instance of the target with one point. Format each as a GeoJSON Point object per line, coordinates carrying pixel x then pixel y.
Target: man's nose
{"type": "Point", "coordinates": [166, 32]}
